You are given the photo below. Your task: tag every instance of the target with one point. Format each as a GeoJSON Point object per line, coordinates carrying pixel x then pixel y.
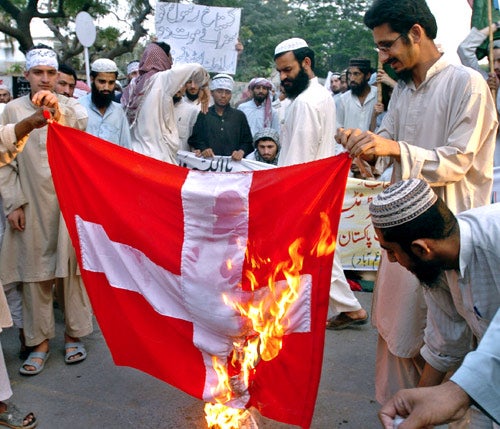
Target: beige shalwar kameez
{"type": "Point", "coordinates": [32, 256]}
{"type": "Point", "coordinates": [446, 129]}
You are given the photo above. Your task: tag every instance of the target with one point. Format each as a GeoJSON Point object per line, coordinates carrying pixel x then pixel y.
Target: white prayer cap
{"type": "Point", "coordinates": [290, 45]}
{"type": "Point", "coordinates": [4, 88]}
{"type": "Point", "coordinates": [132, 66]}
{"type": "Point", "coordinates": [401, 202]}
{"type": "Point", "coordinates": [41, 57]}
{"type": "Point", "coordinates": [222, 81]}
{"type": "Point", "coordinates": [104, 65]}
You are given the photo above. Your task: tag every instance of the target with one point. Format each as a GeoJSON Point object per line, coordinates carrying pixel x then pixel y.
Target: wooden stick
{"type": "Point", "coordinates": [491, 47]}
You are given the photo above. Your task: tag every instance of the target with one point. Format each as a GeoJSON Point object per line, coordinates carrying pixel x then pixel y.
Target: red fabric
{"type": "Point", "coordinates": [138, 202]}
{"type": "Point", "coordinates": [355, 286]}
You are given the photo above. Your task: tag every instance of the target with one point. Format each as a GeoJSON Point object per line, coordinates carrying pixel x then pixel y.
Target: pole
{"type": "Point", "coordinates": [490, 49]}
{"type": "Point", "coordinates": [87, 65]}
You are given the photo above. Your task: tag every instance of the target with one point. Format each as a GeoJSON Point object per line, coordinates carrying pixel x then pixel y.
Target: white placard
{"type": "Point", "coordinates": [200, 34]}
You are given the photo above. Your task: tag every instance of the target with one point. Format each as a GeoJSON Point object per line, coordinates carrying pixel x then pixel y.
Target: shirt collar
{"type": "Point", "coordinates": [465, 254]}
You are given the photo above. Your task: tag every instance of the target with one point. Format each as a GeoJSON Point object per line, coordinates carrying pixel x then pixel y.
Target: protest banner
{"type": "Point", "coordinates": [200, 34]}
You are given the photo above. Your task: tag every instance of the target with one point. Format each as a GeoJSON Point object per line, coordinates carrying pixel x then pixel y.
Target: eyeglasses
{"type": "Point", "coordinates": [385, 47]}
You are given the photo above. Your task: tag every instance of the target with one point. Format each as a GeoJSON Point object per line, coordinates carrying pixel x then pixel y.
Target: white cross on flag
{"type": "Point", "coordinates": [162, 249]}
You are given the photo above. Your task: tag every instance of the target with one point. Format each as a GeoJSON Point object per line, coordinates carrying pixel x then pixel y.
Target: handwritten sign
{"type": "Point", "coordinates": [356, 237]}
{"type": "Point", "coordinates": [200, 34]}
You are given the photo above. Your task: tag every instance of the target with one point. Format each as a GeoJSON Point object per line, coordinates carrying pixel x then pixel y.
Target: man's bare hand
{"type": "Point", "coordinates": [366, 145]}
{"type": "Point", "coordinates": [207, 153]}
{"type": "Point", "coordinates": [16, 219]}
{"type": "Point", "coordinates": [237, 155]}
{"type": "Point", "coordinates": [425, 407]}
{"type": "Point", "coordinates": [48, 100]}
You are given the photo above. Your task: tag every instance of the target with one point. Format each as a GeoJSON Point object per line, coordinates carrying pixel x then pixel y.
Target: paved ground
{"type": "Point", "coordinates": [96, 394]}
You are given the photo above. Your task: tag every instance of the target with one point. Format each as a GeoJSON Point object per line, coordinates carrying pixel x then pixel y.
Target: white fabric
{"type": "Point", "coordinates": [290, 45]}
{"type": "Point", "coordinates": [185, 118]}
{"type": "Point", "coordinates": [342, 299]}
{"type": "Point", "coordinates": [104, 65]}
{"type": "Point", "coordinates": [308, 130]}
{"type": "Point", "coordinates": [222, 81]}
{"type": "Point", "coordinates": [5, 389]}
{"type": "Point", "coordinates": [41, 57]}
{"type": "Point", "coordinates": [350, 112]}
{"type": "Point", "coordinates": [154, 132]}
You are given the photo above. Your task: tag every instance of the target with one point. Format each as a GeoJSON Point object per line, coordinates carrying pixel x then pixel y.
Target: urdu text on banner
{"type": "Point", "coordinates": [200, 34]}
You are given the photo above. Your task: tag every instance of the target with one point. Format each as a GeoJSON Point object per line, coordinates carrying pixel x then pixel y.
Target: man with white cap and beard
{"type": "Point", "coordinates": [223, 130]}
{"type": "Point", "coordinates": [30, 254]}
{"type": "Point", "coordinates": [307, 135]}
{"type": "Point", "coordinates": [107, 119]}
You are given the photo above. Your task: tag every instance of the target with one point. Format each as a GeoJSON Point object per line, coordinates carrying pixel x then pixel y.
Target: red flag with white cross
{"type": "Point", "coordinates": [188, 270]}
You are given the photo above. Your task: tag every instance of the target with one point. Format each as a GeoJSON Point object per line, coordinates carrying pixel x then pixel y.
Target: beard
{"type": "Point", "coordinates": [177, 98]}
{"type": "Point", "coordinates": [259, 99]}
{"type": "Point", "coordinates": [102, 99]}
{"type": "Point", "coordinates": [428, 272]}
{"type": "Point", "coordinates": [357, 89]}
{"type": "Point", "coordinates": [294, 87]}
{"type": "Point", "coordinates": [191, 97]}
{"type": "Point", "coordinates": [404, 75]}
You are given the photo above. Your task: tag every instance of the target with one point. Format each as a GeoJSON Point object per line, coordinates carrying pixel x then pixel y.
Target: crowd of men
{"type": "Point", "coordinates": [438, 286]}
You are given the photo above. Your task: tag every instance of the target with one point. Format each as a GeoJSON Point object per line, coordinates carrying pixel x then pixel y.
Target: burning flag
{"type": "Point", "coordinates": [216, 283]}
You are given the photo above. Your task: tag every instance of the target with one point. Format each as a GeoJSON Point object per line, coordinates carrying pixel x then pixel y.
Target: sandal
{"type": "Point", "coordinates": [79, 350]}
{"type": "Point", "coordinates": [30, 362]}
{"type": "Point", "coordinates": [14, 419]}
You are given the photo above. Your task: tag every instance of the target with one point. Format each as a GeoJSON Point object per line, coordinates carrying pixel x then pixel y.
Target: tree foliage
{"type": "Point", "coordinates": [334, 29]}
{"type": "Point", "coordinates": [59, 16]}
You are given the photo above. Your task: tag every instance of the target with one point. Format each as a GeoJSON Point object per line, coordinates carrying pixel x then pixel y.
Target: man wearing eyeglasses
{"type": "Point", "coordinates": [440, 127]}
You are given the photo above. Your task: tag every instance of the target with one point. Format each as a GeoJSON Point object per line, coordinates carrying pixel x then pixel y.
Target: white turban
{"type": "Point", "coordinates": [132, 67]}
{"type": "Point", "coordinates": [41, 57]}
{"type": "Point", "coordinates": [222, 81]}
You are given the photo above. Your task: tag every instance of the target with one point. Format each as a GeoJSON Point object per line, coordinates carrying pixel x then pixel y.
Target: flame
{"type": "Point", "coordinates": [326, 243]}
{"type": "Point", "coordinates": [266, 313]}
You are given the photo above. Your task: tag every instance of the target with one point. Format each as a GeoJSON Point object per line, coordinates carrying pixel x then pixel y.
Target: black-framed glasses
{"type": "Point", "coordinates": [385, 47]}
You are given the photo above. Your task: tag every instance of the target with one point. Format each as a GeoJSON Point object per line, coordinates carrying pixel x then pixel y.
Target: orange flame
{"type": "Point", "coordinates": [267, 312]}
{"type": "Point", "coordinates": [326, 243]}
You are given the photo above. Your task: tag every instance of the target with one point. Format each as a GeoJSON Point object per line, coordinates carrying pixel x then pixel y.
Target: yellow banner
{"type": "Point", "coordinates": [356, 240]}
